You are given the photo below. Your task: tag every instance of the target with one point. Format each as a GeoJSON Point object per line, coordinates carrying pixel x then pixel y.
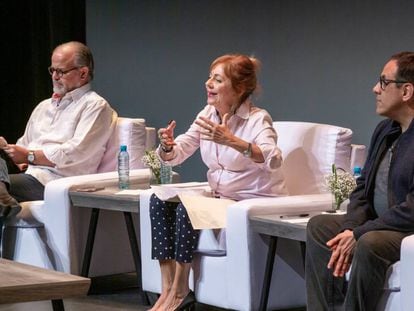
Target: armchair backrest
{"type": "Point", "coordinates": [134, 134]}
{"type": "Point", "coordinates": [309, 150]}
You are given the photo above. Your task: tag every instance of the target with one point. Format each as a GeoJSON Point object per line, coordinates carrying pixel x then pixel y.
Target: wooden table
{"type": "Point", "coordinates": [106, 199]}
{"type": "Point", "coordinates": [22, 283]}
{"type": "Point", "coordinates": [291, 227]}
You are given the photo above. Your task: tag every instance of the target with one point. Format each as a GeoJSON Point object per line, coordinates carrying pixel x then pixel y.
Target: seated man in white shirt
{"type": "Point", "coordinates": [65, 135]}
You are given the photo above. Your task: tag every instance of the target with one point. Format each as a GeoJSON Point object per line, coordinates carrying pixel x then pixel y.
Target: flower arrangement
{"type": "Point", "coordinates": [151, 160]}
{"type": "Point", "coordinates": [341, 184]}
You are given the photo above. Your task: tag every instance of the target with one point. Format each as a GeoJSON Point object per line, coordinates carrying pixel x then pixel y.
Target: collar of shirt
{"type": "Point", "coordinates": [74, 95]}
{"type": "Point", "coordinates": [244, 110]}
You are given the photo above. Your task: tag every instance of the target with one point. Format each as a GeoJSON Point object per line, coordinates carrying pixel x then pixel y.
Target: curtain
{"type": "Point", "coordinates": [31, 30]}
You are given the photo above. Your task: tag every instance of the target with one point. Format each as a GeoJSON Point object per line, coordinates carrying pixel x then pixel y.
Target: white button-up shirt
{"type": "Point", "coordinates": [230, 174]}
{"type": "Point", "coordinates": [72, 133]}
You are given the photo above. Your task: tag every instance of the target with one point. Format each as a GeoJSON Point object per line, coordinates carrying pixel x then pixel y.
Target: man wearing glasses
{"type": "Point", "coordinates": [381, 209]}
{"type": "Point", "coordinates": [65, 135]}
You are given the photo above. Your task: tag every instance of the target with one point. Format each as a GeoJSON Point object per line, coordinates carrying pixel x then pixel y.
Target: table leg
{"type": "Point", "coordinates": [135, 252]}
{"type": "Point", "coordinates": [268, 272]}
{"type": "Point", "coordinates": [89, 242]}
{"type": "Point", "coordinates": [133, 241]}
{"type": "Point", "coordinates": [57, 305]}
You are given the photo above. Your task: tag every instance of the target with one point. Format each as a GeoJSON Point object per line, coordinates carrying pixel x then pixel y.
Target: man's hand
{"type": "Point", "coordinates": [342, 247]}
{"type": "Point", "coordinates": [3, 142]}
{"type": "Point", "coordinates": [17, 153]}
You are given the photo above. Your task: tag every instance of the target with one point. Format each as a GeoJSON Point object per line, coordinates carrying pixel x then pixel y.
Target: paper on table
{"type": "Point", "coordinates": [130, 192]}
{"type": "Point", "coordinates": [205, 212]}
{"type": "Point", "coordinates": [171, 191]}
{"type": "Point", "coordinates": [296, 220]}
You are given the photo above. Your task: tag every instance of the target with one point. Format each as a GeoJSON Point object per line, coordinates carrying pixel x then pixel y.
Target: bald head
{"type": "Point", "coordinates": [79, 53]}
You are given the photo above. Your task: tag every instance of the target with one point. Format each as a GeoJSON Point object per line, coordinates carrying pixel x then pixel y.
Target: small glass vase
{"type": "Point", "coordinates": [155, 178]}
{"type": "Point", "coordinates": [336, 204]}
{"type": "Point", "coordinates": [163, 175]}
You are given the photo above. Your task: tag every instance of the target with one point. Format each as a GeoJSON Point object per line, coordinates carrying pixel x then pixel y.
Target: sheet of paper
{"type": "Point", "coordinates": [193, 184]}
{"type": "Point", "coordinates": [205, 212]}
{"type": "Point", "coordinates": [130, 192]}
{"type": "Point", "coordinates": [171, 191]}
{"type": "Point", "coordinates": [296, 220]}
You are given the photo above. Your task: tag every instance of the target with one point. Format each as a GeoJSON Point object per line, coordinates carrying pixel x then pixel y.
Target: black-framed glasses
{"type": "Point", "coordinates": [384, 82]}
{"type": "Point", "coordinates": [60, 72]}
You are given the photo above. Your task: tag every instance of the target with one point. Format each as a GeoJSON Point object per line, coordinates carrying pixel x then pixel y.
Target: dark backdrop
{"type": "Point", "coordinates": [320, 58]}
{"type": "Point", "coordinates": [31, 29]}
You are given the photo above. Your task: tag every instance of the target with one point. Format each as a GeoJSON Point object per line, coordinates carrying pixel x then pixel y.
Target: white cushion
{"type": "Point", "coordinates": [129, 132]}
{"type": "Point", "coordinates": [301, 143]}
{"type": "Point", "coordinates": [392, 281]}
{"type": "Point", "coordinates": [31, 215]}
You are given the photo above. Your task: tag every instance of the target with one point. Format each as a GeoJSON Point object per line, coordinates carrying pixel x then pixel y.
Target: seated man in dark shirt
{"type": "Point", "coordinates": [381, 209]}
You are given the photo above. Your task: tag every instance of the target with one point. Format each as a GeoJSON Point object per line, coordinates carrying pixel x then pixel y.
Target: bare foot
{"type": "Point", "coordinates": [159, 302]}
{"type": "Point", "coordinates": [173, 301]}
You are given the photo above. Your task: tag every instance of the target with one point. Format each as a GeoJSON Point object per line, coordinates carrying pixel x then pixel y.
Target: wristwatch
{"type": "Point", "coordinates": [248, 152]}
{"type": "Point", "coordinates": [166, 150]}
{"type": "Point", "coordinates": [31, 156]}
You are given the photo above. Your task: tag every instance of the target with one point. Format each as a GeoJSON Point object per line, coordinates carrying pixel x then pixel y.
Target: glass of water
{"type": "Point", "coordinates": [165, 173]}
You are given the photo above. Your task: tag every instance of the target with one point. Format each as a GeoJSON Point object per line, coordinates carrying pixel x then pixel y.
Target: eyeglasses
{"type": "Point", "coordinates": [60, 72]}
{"type": "Point", "coordinates": [384, 82]}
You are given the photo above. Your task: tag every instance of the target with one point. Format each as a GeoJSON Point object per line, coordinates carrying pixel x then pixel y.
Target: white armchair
{"type": "Point", "coordinates": [52, 234]}
{"type": "Point", "coordinates": [399, 285]}
{"type": "Point", "coordinates": [228, 272]}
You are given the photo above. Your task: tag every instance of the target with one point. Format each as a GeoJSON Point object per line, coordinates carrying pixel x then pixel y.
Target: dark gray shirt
{"type": "Point", "coordinates": [381, 181]}
{"type": "Point", "coordinates": [381, 185]}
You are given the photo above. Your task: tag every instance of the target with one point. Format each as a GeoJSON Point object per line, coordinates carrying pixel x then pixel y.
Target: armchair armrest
{"type": "Point", "coordinates": [407, 273]}
{"type": "Point", "coordinates": [60, 220]}
{"type": "Point", "coordinates": [151, 138]}
{"type": "Point", "coordinates": [246, 250]}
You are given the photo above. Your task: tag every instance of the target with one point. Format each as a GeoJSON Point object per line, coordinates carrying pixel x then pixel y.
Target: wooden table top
{"type": "Point", "coordinates": [106, 198]}
{"type": "Point", "coordinates": [21, 283]}
{"type": "Point", "coordinates": [284, 226]}
{"type": "Point", "coordinates": [290, 227]}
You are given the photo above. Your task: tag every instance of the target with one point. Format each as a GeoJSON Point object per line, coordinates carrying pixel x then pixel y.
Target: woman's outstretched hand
{"type": "Point", "coordinates": [166, 135]}
{"type": "Point", "coordinates": [219, 133]}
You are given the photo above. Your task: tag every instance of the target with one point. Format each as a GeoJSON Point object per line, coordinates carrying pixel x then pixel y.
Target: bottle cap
{"type": "Point", "coordinates": [123, 148]}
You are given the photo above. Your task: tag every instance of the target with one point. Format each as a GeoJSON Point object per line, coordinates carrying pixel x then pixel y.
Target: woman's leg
{"type": "Point", "coordinates": [180, 288]}
{"type": "Point", "coordinates": [162, 216]}
{"type": "Point", "coordinates": [167, 268]}
{"type": "Point", "coordinates": [185, 245]}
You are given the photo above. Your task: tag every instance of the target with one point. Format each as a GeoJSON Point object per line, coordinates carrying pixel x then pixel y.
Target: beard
{"type": "Point", "coordinates": [59, 89]}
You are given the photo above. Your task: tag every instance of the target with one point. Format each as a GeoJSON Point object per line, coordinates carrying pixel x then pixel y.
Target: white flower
{"type": "Point", "coordinates": [341, 184]}
{"type": "Point", "coordinates": [151, 160]}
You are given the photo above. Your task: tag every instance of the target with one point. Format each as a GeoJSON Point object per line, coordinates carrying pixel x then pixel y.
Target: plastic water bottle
{"type": "Point", "coordinates": [123, 167]}
{"type": "Point", "coordinates": [357, 172]}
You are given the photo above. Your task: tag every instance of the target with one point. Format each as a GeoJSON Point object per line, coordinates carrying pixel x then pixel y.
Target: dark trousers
{"type": "Point", "coordinates": [375, 251]}
{"type": "Point", "coordinates": [21, 186]}
{"type": "Point", "coordinates": [25, 187]}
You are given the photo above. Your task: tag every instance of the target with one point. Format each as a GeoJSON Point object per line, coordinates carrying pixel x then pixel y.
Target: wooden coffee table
{"type": "Point", "coordinates": [22, 283]}
{"type": "Point", "coordinates": [275, 226]}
